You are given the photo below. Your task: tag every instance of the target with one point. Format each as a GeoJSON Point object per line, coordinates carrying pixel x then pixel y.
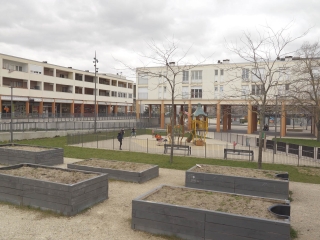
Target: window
{"type": "Point", "coordinates": [64, 89]}
{"type": "Point", "coordinates": [257, 89]}
{"type": "Point", "coordinates": [61, 75]}
{"type": "Point", "coordinates": [258, 75]}
{"type": "Point", "coordinates": [164, 92]}
{"type": "Point", "coordinates": [196, 76]}
{"type": "Point", "coordinates": [216, 72]}
{"type": "Point", "coordinates": [185, 92]}
{"type": "Point", "coordinates": [216, 89]}
{"type": "Point", "coordinates": [143, 79]}
{"type": "Point", "coordinates": [245, 91]}
{"type": "Point", "coordinates": [130, 95]}
{"type": "Point", "coordinates": [287, 87]}
{"type": "Point", "coordinates": [196, 93]}
{"type": "Point", "coordinates": [142, 93]}
{"type": "Point", "coordinates": [221, 72]}
{"type": "Point", "coordinates": [221, 89]}
{"type": "Point", "coordinates": [185, 76]}
{"type": "Point", "coordinates": [160, 92]}
{"type": "Point", "coordinates": [284, 74]}
{"type": "Point", "coordinates": [113, 93]}
{"type": "Point", "coordinates": [245, 74]}
{"type": "Point", "coordinates": [19, 68]}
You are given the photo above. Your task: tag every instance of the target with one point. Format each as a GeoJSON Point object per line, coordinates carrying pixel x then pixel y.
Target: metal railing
{"type": "Point", "coordinates": [68, 125]}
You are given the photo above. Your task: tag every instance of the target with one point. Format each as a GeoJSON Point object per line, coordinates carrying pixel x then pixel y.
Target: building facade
{"type": "Point", "coordinates": [44, 89]}
{"type": "Point", "coordinates": [219, 88]}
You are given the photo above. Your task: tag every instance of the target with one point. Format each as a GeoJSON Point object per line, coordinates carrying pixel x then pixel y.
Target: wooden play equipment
{"type": "Point", "coordinates": [199, 126]}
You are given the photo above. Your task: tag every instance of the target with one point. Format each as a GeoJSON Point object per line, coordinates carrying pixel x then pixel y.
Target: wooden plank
{"type": "Point", "coordinates": [167, 209]}
{"type": "Point", "coordinates": [243, 232]}
{"type": "Point", "coordinates": [171, 228]}
{"type": "Point", "coordinates": [279, 227]}
{"type": "Point", "coordinates": [189, 222]}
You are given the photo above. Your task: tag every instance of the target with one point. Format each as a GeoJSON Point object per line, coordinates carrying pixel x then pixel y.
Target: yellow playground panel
{"type": "Point", "coordinates": [199, 126]}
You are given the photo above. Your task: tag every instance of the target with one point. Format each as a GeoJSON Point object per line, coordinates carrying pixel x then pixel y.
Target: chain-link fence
{"type": "Point", "coordinates": [145, 142]}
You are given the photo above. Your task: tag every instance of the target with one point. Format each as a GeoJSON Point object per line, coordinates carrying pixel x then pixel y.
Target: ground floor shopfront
{"type": "Point", "coordinates": [23, 106]}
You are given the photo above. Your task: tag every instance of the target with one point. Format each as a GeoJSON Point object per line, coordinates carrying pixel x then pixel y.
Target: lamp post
{"type": "Point", "coordinates": [95, 91]}
{"type": "Point", "coordinates": [275, 128]}
{"type": "Point", "coordinates": [11, 130]}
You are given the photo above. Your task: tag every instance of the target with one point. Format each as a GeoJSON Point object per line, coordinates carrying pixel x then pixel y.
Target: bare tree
{"type": "Point", "coordinates": [305, 85]}
{"type": "Point", "coordinates": [262, 53]}
{"type": "Point", "coordinates": [174, 67]}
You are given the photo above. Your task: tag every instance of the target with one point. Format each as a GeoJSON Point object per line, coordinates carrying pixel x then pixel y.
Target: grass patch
{"type": "Point", "coordinates": [290, 196]}
{"type": "Point", "coordinates": [293, 233]}
{"type": "Point", "coordinates": [298, 141]}
{"type": "Point", "coordinates": [296, 174]}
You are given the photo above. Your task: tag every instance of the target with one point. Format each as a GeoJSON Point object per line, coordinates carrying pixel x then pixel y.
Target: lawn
{"type": "Point", "coordinates": [297, 174]}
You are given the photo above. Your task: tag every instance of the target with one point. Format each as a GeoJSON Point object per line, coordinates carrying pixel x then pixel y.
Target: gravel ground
{"type": "Point", "coordinates": [111, 218]}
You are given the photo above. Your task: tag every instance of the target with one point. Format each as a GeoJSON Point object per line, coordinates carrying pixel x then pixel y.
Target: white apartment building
{"type": "Point", "coordinates": [48, 89]}
{"type": "Point", "coordinates": [216, 86]}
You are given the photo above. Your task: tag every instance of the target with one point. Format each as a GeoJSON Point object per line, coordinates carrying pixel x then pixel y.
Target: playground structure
{"type": "Point", "coordinates": [199, 126]}
{"type": "Point", "coordinates": [179, 130]}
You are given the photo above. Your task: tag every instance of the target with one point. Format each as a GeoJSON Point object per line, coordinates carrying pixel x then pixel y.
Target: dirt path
{"type": "Point", "coordinates": [111, 219]}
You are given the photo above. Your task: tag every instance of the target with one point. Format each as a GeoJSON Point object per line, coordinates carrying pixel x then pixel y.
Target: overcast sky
{"type": "Point", "coordinates": [68, 32]}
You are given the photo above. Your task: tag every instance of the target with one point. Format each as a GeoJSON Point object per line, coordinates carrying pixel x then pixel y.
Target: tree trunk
{"type": "Point", "coordinates": [260, 141]}
{"type": "Point", "coordinates": [172, 126]}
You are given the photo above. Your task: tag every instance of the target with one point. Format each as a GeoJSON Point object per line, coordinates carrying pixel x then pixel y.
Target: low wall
{"type": "Point", "coordinates": [67, 199]}
{"type": "Point", "coordinates": [233, 184]}
{"type": "Point", "coordinates": [193, 223]}
{"type": "Point", "coordinates": [50, 156]}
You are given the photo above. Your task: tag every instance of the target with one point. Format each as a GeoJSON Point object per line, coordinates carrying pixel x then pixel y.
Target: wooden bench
{"type": "Point", "coordinates": [249, 153]}
{"type": "Point", "coordinates": [177, 147]}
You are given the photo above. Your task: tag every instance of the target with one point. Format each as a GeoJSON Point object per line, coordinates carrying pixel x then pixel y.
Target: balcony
{"type": "Point", "coordinates": [78, 90]}
{"type": "Point", "coordinates": [104, 81]}
{"type": "Point", "coordinates": [48, 72]}
{"type": "Point", "coordinates": [64, 88]}
{"type": "Point", "coordinates": [48, 86]}
{"type": "Point", "coordinates": [64, 74]}
{"type": "Point", "coordinates": [36, 85]}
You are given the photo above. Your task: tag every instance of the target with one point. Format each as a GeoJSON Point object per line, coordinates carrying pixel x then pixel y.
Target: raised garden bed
{"type": "Point", "coordinates": [201, 214]}
{"type": "Point", "coordinates": [263, 183]}
{"type": "Point", "coordinates": [11, 154]}
{"type": "Point", "coordinates": [63, 191]}
{"type": "Point", "coordinates": [118, 170]}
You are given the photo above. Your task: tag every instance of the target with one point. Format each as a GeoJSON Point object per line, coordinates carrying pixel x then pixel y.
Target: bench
{"type": "Point", "coordinates": [249, 153]}
{"type": "Point", "coordinates": [177, 147]}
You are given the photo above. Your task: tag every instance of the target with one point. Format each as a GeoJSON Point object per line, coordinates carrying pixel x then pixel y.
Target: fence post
{"type": "Point", "coordinates": [113, 141]}
{"type": "Point", "coordinates": [35, 126]}
{"type": "Point", "coordinates": [23, 127]}
{"type": "Point", "coordinates": [147, 146]}
{"type": "Point", "coordinates": [205, 150]}
{"type": "Point", "coordinates": [81, 138]}
{"type": "Point", "coordinates": [249, 153]}
{"type": "Point", "coordinates": [97, 140]}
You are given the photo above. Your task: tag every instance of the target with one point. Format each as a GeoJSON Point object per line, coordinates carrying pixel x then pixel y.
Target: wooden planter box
{"type": "Point", "coordinates": [49, 156]}
{"type": "Point", "coordinates": [67, 199]}
{"type": "Point", "coordinates": [234, 184]}
{"type": "Point", "coordinates": [196, 223]}
{"type": "Point", "coordinates": [123, 175]}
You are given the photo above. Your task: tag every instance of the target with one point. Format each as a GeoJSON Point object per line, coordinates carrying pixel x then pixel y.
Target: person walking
{"type": "Point", "coordinates": [120, 137]}
{"type": "Point", "coordinates": [133, 132]}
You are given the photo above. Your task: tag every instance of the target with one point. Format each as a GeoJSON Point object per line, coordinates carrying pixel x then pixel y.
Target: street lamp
{"type": "Point", "coordinates": [11, 130]}
{"type": "Point", "coordinates": [95, 91]}
{"type": "Point", "coordinates": [275, 127]}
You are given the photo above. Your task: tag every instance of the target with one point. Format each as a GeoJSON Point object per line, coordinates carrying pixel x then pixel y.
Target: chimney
{"type": "Point", "coordinates": [219, 61]}
{"type": "Point", "coordinates": [86, 70]}
{"type": "Point", "coordinates": [45, 62]}
{"type": "Point", "coordinates": [172, 63]}
{"type": "Point", "coordinates": [226, 60]}
{"type": "Point", "coordinates": [69, 67]}
{"type": "Point", "coordinates": [288, 58]}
